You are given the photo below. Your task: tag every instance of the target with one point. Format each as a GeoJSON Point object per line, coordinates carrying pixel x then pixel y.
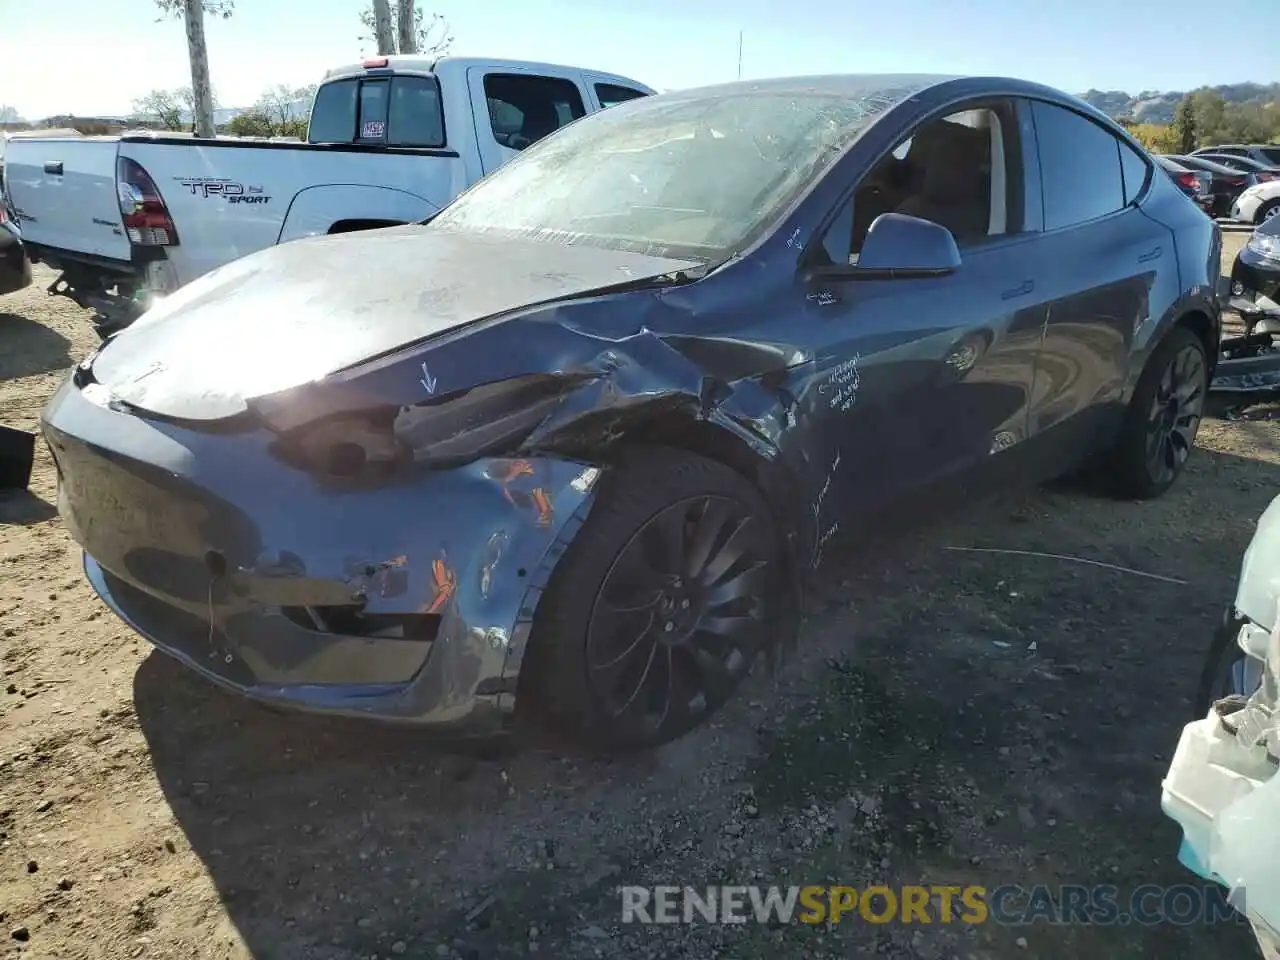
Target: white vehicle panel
{"type": "Point", "coordinates": [63, 190]}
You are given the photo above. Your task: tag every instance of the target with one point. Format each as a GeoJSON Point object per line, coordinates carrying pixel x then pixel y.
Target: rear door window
{"type": "Point", "coordinates": [612, 94]}
{"type": "Point", "coordinates": [402, 111]}
{"type": "Point", "coordinates": [1135, 170]}
{"type": "Point", "coordinates": [1080, 169]}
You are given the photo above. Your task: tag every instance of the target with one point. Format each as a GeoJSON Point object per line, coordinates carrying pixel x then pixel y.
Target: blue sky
{"type": "Point", "coordinates": [96, 56]}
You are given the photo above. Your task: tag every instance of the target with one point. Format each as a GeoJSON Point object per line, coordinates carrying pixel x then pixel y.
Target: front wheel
{"type": "Point", "coordinates": [1268, 210]}
{"type": "Point", "coordinates": [660, 606]}
{"type": "Point", "coordinates": [1160, 426]}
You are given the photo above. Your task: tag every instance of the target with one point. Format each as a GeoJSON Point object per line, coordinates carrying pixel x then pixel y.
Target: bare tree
{"type": "Point", "coordinates": [9, 114]}
{"type": "Point", "coordinates": [162, 105]}
{"type": "Point", "coordinates": [433, 38]}
{"type": "Point", "coordinates": [382, 35]}
{"type": "Point", "coordinates": [430, 38]}
{"type": "Point", "coordinates": [192, 13]}
{"type": "Point", "coordinates": [283, 104]}
{"type": "Point", "coordinates": [404, 27]}
{"type": "Point", "coordinates": [187, 98]}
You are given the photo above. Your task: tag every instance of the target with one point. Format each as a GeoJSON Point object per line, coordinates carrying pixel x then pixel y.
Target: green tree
{"type": "Point", "coordinates": [1210, 113]}
{"type": "Point", "coordinates": [1185, 126]}
{"type": "Point", "coordinates": [251, 124]}
{"type": "Point", "coordinates": [162, 105]}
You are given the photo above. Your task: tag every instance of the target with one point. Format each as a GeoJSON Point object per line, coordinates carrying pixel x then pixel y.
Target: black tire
{"type": "Point", "coordinates": [581, 659]}
{"type": "Point", "coordinates": [1157, 436]}
{"type": "Point", "coordinates": [1266, 211]}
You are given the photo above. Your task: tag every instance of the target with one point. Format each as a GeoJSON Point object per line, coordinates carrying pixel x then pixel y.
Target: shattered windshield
{"type": "Point", "coordinates": [697, 176]}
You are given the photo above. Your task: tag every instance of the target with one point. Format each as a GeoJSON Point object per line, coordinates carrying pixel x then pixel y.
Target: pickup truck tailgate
{"type": "Point", "coordinates": [64, 193]}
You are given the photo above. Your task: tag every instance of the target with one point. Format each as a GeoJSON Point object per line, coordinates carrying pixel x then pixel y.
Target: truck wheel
{"type": "Point", "coordinates": [1267, 211]}
{"type": "Point", "coordinates": [1159, 428]}
{"type": "Point", "coordinates": [659, 607]}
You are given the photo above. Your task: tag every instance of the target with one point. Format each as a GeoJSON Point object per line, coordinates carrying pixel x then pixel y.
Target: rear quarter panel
{"type": "Point", "coordinates": [232, 198]}
{"type": "Point", "coordinates": [78, 211]}
{"type": "Point", "coordinates": [1197, 243]}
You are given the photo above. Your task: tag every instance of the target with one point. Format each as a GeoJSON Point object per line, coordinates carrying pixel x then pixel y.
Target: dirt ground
{"type": "Point", "coordinates": [950, 717]}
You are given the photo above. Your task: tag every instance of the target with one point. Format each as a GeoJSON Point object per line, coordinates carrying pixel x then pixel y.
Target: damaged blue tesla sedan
{"type": "Point", "coordinates": [579, 440]}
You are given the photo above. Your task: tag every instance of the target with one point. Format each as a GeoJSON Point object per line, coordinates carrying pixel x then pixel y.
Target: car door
{"type": "Point", "coordinates": [916, 381]}
{"type": "Point", "coordinates": [1101, 259]}
{"type": "Point", "coordinates": [513, 109]}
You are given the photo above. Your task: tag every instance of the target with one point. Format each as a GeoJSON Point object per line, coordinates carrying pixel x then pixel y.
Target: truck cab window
{"type": "Point", "coordinates": [611, 94]}
{"type": "Point", "coordinates": [400, 111]}
{"type": "Point", "coordinates": [523, 109]}
{"type": "Point", "coordinates": [414, 118]}
{"type": "Point", "coordinates": [333, 115]}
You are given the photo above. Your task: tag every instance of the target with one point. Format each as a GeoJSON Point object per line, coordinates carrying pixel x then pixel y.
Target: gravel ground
{"type": "Point", "coordinates": [950, 717]}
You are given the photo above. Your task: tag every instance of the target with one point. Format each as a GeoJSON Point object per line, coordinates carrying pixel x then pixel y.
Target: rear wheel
{"type": "Point", "coordinates": [659, 607]}
{"type": "Point", "coordinates": [1160, 426]}
{"type": "Point", "coordinates": [1267, 211]}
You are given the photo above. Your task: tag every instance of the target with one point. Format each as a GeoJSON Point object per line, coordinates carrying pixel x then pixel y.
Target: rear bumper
{"type": "Point", "coordinates": [15, 268]}
{"type": "Point", "coordinates": [410, 603]}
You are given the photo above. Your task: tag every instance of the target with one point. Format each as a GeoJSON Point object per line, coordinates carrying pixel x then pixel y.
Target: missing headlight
{"type": "Point", "coordinates": [375, 445]}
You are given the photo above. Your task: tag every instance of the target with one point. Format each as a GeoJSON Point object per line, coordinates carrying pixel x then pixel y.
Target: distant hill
{"type": "Point", "coordinates": [1154, 106]}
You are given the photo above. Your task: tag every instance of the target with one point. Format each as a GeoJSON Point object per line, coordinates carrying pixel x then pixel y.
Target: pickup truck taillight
{"type": "Point", "coordinates": [146, 218]}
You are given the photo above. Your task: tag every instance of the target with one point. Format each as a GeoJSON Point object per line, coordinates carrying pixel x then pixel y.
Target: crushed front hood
{"type": "Point", "coordinates": [294, 313]}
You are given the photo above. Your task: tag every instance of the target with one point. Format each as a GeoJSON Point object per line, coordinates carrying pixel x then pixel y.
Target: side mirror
{"type": "Point", "coordinates": [899, 247]}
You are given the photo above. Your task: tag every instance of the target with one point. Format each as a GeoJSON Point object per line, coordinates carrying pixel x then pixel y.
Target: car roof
{"type": "Point", "coordinates": [895, 86]}
{"type": "Point", "coordinates": [1203, 162]}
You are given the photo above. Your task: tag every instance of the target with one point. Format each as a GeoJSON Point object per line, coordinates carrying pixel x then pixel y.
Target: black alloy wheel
{"type": "Point", "coordinates": [660, 605]}
{"type": "Point", "coordinates": [679, 619]}
{"type": "Point", "coordinates": [1163, 416]}
{"type": "Point", "coordinates": [1175, 412]}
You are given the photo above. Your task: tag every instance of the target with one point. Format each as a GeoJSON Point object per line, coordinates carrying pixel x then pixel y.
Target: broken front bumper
{"type": "Point", "coordinates": [1222, 787]}
{"type": "Point", "coordinates": [411, 602]}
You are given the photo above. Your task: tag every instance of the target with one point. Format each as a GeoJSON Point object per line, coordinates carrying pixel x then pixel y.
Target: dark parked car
{"type": "Point", "coordinates": [1196, 184]}
{"type": "Point", "coordinates": [579, 441]}
{"type": "Point", "coordinates": [1255, 275]}
{"type": "Point", "coordinates": [1268, 153]}
{"type": "Point", "coordinates": [1225, 184]}
{"type": "Point", "coordinates": [1264, 172]}
{"type": "Point", "coordinates": [15, 268]}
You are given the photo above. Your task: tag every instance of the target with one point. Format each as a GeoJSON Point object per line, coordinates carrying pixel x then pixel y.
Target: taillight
{"type": "Point", "coordinates": [146, 218]}
{"type": "Point", "coordinates": [1265, 175]}
{"type": "Point", "coordinates": [1234, 181]}
{"type": "Point", "coordinates": [1188, 180]}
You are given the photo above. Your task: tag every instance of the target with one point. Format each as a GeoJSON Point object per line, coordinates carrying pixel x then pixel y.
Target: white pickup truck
{"type": "Point", "coordinates": [390, 140]}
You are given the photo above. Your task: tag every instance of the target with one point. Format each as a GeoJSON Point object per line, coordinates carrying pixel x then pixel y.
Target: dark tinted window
{"type": "Point", "coordinates": [1079, 167]}
{"type": "Point", "coordinates": [373, 110]}
{"type": "Point", "coordinates": [610, 94]}
{"type": "Point", "coordinates": [397, 111]}
{"type": "Point", "coordinates": [1235, 163]}
{"type": "Point", "coordinates": [523, 109]}
{"type": "Point", "coordinates": [333, 116]}
{"type": "Point", "coordinates": [1272, 154]}
{"type": "Point", "coordinates": [414, 118]}
{"type": "Point", "coordinates": [1135, 171]}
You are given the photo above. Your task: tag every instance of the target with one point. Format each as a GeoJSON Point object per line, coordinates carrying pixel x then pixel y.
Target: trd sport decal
{"type": "Point", "coordinates": [214, 187]}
